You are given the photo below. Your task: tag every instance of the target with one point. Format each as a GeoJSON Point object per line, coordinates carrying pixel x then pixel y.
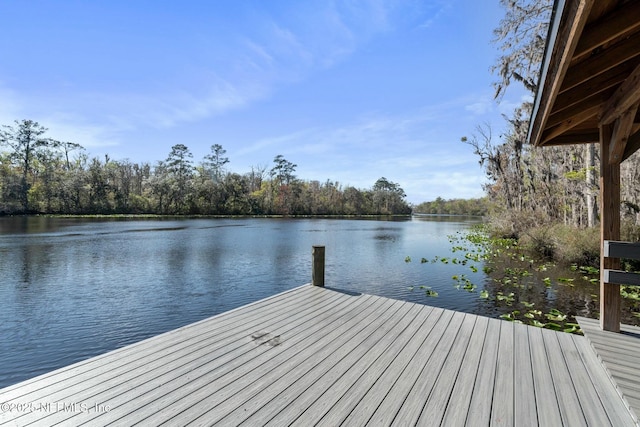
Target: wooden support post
{"type": "Point", "coordinates": [317, 267]}
{"type": "Point", "coordinates": [610, 302]}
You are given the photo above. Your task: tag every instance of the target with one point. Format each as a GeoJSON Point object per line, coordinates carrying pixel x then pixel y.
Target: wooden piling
{"type": "Point", "coordinates": [317, 267]}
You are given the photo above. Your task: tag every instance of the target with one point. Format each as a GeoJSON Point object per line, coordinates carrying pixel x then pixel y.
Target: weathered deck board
{"type": "Point", "coordinates": [570, 409]}
{"type": "Point", "coordinates": [297, 400]}
{"type": "Point", "coordinates": [525, 407]}
{"type": "Point", "coordinates": [482, 394]}
{"type": "Point", "coordinates": [458, 408]}
{"type": "Point", "coordinates": [424, 343]}
{"type": "Point", "coordinates": [620, 354]}
{"type": "Point", "coordinates": [544, 391]}
{"type": "Point", "coordinates": [314, 356]}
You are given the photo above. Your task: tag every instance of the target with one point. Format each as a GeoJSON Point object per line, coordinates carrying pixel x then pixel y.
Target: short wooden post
{"type": "Point", "coordinates": [317, 267]}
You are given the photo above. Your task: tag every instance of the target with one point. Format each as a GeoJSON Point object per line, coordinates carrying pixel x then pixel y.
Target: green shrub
{"type": "Point", "coordinates": [576, 246]}
{"type": "Point", "coordinates": [629, 231]}
{"type": "Point", "coordinates": [539, 241]}
{"type": "Point", "coordinates": [514, 224]}
{"type": "Point", "coordinates": [562, 243]}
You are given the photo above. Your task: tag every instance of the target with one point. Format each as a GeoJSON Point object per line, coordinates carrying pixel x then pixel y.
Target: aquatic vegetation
{"type": "Point", "coordinates": [430, 292]}
{"type": "Point", "coordinates": [630, 292]}
{"type": "Point", "coordinates": [518, 287]}
{"type": "Point", "coordinates": [556, 315]}
{"type": "Point", "coordinates": [508, 299]}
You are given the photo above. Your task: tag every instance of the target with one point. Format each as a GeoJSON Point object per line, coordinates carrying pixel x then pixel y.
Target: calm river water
{"type": "Point", "coordinates": [75, 288]}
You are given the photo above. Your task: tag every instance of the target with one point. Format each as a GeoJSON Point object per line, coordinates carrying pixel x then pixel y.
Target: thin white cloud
{"type": "Point", "coordinates": [256, 49]}
{"type": "Point", "coordinates": [435, 10]}
{"type": "Point", "coordinates": [277, 142]}
{"type": "Point", "coordinates": [480, 108]}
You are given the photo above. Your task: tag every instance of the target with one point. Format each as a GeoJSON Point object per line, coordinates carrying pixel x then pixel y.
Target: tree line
{"type": "Point", "coordinates": [440, 206]}
{"type": "Point", "coordinates": [39, 174]}
{"type": "Point", "coordinates": [528, 186]}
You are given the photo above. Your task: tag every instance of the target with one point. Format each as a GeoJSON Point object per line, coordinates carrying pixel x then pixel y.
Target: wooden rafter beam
{"type": "Point", "coordinates": [569, 124]}
{"type": "Point", "coordinates": [602, 61]}
{"type": "Point", "coordinates": [587, 103]}
{"type": "Point", "coordinates": [600, 83]}
{"type": "Point", "coordinates": [624, 97]}
{"type": "Point", "coordinates": [607, 28]}
{"type": "Point", "coordinates": [576, 138]}
{"type": "Point", "coordinates": [621, 132]}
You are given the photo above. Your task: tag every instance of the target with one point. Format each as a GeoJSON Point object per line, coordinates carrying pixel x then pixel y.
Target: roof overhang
{"type": "Point", "coordinates": [590, 73]}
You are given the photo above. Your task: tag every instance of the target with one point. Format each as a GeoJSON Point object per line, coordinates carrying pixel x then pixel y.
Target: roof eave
{"type": "Point", "coordinates": [567, 22]}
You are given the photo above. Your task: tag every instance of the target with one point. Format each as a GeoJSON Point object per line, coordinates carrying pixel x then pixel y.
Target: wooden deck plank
{"type": "Point", "coordinates": [409, 414]}
{"type": "Point", "coordinates": [429, 332]}
{"type": "Point", "coordinates": [568, 401]}
{"type": "Point", "coordinates": [602, 383]}
{"type": "Point", "coordinates": [619, 353]}
{"type": "Point", "coordinates": [458, 406]}
{"type": "Point", "coordinates": [368, 332]}
{"type": "Point", "coordinates": [545, 393]}
{"type": "Point", "coordinates": [288, 406]}
{"type": "Point", "coordinates": [140, 357]}
{"type": "Point", "coordinates": [365, 407]}
{"type": "Point", "coordinates": [590, 403]}
{"type": "Point", "coordinates": [482, 395]}
{"type": "Point", "coordinates": [634, 403]}
{"type": "Point", "coordinates": [328, 398]}
{"type": "Point", "coordinates": [356, 384]}
{"type": "Point", "coordinates": [621, 348]}
{"type": "Point", "coordinates": [436, 406]}
{"type": "Point", "coordinates": [525, 413]}
{"type": "Point", "coordinates": [363, 358]}
{"type": "Point", "coordinates": [316, 356]}
{"type": "Point", "coordinates": [503, 397]}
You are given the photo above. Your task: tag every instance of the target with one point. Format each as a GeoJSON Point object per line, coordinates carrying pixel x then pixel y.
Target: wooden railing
{"type": "Point", "coordinates": [613, 249]}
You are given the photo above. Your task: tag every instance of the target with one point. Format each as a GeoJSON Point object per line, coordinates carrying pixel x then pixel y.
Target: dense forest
{"type": "Point", "coordinates": [529, 187]}
{"type": "Point", "coordinates": [39, 174]}
{"type": "Point", "coordinates": [440, 206]}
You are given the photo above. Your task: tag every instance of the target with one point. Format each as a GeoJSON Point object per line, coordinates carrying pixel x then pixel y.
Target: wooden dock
{"type": "Point", "coordinates": [316, 356]}
{"type": "Point", "coordinates": [620, 354]}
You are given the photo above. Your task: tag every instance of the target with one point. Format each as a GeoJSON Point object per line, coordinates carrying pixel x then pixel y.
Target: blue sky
{"type": "Point", "coordinates": [349, 90]}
